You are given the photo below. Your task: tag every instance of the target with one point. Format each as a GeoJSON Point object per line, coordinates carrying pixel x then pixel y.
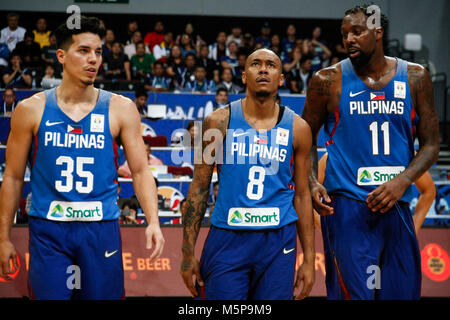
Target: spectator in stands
{"type": "Point", "coordinates": [292, 60]}
{"type": "Point", "coordinates": [49, 79]}
{"type": "Point", "coordinates": [201, 84]}
{"type": "Point", "coordinates": [116, 64]}
{"type": "Point", "coordinates": [320, 51]}
{"type": "Point", "coordinates": [13, 33]}
{"type": "Point", "coordinates": [41, 34]}
{"type": "Point", "coordinates": [124, 169]}
{"type": "Point", "coordinates": [215, 193]}
{"type": "Point", "coordinates": [264, 37]}
{"type": "Point", "coordinates": [275, 44]}
{"type": "Point", "coordinates": [48, 55]}
{"type": "Point", "coordinates": [140, 99]}
{"type": "Point", "coordinates": [236, 35]}
{"type": "Point", "coordinates": [193, 134]}
{"type": "Point", "coordinates": [196, 39]}
{"type": "Point", "coordinates": [29, 51]}
{"type": "Point", "coordinates": [9, 102]}
{"type": "Point", "coordinates": [227, 82]}
{"type": "Point", "coordinates": [211, 67]}
{"type": "Point", "coordinates": [237, 71]}
{"type": "Point", "coordinates": [4, 56]}
{"type": "Point", "coordinates": [129, 213]}
{"type": "Point", "coordinates": [108, 42]}
{"type": "Point", "coordinates": [161, 51]}
{"type": "Point", "coordinates": [158, 81]}
{"type": "Point", "coordinates": [126, 37]}
{"type": "Point", "coordinates": [190, 69]}
{"type": "Point", "coordinates": [15, 75]}
{"type": "Point", "coordinates": [176, 66]}
{"type": "Point", "coordinates": [288, 42]}
{"type": "Point", "coordinates": [218, 49]}
{"type": "Point", "coordinates": [230, 60]}
{"type": "Point", "coordinates": [186, 45]}
{"type": "Point", "coordinates": [334, 60]}
{"type": "Point", "coordinates": [130, 49]}
{"type": "Point", "coordinates": [220, 100]}
{"type": "Point", "coordinates": [248, 43]}
{"type": "Point", "coordinates": [156, 36]}
{"type": "Point", "coordinates": [142, 62]}
{"type": "Point", "coordinates": [301, 75]}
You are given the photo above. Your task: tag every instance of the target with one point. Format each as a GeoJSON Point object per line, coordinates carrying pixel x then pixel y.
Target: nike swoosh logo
{"type": "Point", "coordinates": [235, 134]}
{"type": "Point", "coordinates": [49, 124]}
{"type": "Point", "coordinates": [110, 254]}
{"type": "Point", "coordinates": [355, 94]}
{"type": "Point", "coordinates": [288, 251]}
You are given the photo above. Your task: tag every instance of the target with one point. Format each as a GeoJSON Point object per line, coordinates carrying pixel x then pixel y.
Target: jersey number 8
{"type": "Point", "coordinates": [258, 182]}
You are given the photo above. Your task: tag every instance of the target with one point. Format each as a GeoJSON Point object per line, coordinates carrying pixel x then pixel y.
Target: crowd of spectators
{"type": "Point", "coordinates": [163, 59]}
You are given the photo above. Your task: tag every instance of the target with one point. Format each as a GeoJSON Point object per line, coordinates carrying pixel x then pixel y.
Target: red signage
{"type": "Point", "coordinates": [161, 278]}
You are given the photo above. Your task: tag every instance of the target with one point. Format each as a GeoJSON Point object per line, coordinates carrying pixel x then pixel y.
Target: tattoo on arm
{"type": "Point", "coordinates": [198, 192]}
{"type": "Point", "coordinates": [421, 89]}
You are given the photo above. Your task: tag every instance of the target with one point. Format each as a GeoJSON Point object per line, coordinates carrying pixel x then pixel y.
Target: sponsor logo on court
{"type": "Point", "coordinates": [75, 211]}
{"type": "Point", "coordinates": [253, 217]}
{"type": "Point", "coordinates": [372, 176]}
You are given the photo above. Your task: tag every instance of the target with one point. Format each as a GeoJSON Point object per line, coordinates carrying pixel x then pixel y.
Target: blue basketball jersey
{"type": "Point", "coordinates": [370, 135]}
{"type": "Point", "coordinates": [74, 168]}
{"type": "Point", "coordinates": [256, 176]}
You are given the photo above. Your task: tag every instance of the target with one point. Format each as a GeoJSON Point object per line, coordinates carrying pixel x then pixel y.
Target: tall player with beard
{"type": "Point", "coordinates": [250, 250]}
{"type": "Point", "coordinates": [69, 136]}
{"type": "Point", "coordinates": [372, 108]}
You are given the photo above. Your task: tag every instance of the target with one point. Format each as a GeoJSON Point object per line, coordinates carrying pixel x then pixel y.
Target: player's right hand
{"type": "Point", "coordinates": [7, 252]}
{"type": "Point", "coordinates": [321, 200]}
{"type": "Point", "coordinates": [189, 268]}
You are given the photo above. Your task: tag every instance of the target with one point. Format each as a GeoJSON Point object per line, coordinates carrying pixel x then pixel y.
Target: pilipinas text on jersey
{"type": "Point", "coordinates": [370, 135]}
{"type": "Point", "coordinates": [256, 175]}
{"type": "Point", "coordinates": [74, 169]}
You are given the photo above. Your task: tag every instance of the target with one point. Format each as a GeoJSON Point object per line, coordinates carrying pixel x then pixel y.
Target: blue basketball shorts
{"type": "Point", "coordinates": [370, 255]}
{"type": "Point", "coordinates": [249, 264]}
{"type": "Point", "coordinates": [75, 260]}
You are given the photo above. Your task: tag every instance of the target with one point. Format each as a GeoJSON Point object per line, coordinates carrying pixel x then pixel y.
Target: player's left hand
{"type": "Point", "coordinates": [305, 274]}
{"type": "Point", "coordinates": [154, 237]}
{"type": "Point", "coordinates": [386, 195]}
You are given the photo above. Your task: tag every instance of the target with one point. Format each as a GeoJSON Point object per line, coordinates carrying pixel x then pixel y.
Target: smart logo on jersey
{"type": "Point", "coordinates": [373, 176]}
{"type": "Point", "coordinates": [253, 217]}
{"type": "Point", "coordinates": [365, 176]}
{"type": "Point", "coordinates": [236, 217]}
{"type": "Point", "coordinates": [75, 211]}
{"type": "Point", "coordinates": [57, 211]}
{"type": "Point", "coordinates": [377, 96]}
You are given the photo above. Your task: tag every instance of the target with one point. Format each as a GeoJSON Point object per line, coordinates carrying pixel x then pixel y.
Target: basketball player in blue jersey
{"type": "Point", "coordinates": [250, 251]}
{"type": "Point", "coordinates": [69, 135]}
{"type": "Point", "coordinates": [372, 108]}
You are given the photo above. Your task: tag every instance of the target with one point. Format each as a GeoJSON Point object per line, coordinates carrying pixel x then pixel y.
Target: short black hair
{"type": "Point", "coordinates": [383, 20]}
{"type": "Point", "coordinates": [305, 57]}
{"type": "Point", "coordinates": [87, 24]}
{"type": "Point", "coordinates": [158, 63]}
{"type": "Point", "coordinates": [190, 125]}
{"type": "Point", "coordinates": [220, 90]}
{"type": "Point", "coordinates": [140, 93]}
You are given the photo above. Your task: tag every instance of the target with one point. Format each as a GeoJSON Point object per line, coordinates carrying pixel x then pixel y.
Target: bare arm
{"type": "Point", "coordinates": [196, 202]}
{"type": "Point", "coordinates": [303, 205]}
{"type": "Point", "coordinates": [427, 189]}
{"type": "Point", "coordinates": [24, 122]}
{"type": "Point", "coordinates": [421, 89]}
{"type": "Point", "coordinates": [127, 120]}
{"type": "Point", "coordinates": [321, 98]}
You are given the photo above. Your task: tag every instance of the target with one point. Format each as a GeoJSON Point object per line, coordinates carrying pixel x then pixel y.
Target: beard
{"type": "Point", "coordinates": [362, 59]}
{"type": "Point", "coordinates": [262, 94]}
{"type": "Point", "coordinates": [87, 82]}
